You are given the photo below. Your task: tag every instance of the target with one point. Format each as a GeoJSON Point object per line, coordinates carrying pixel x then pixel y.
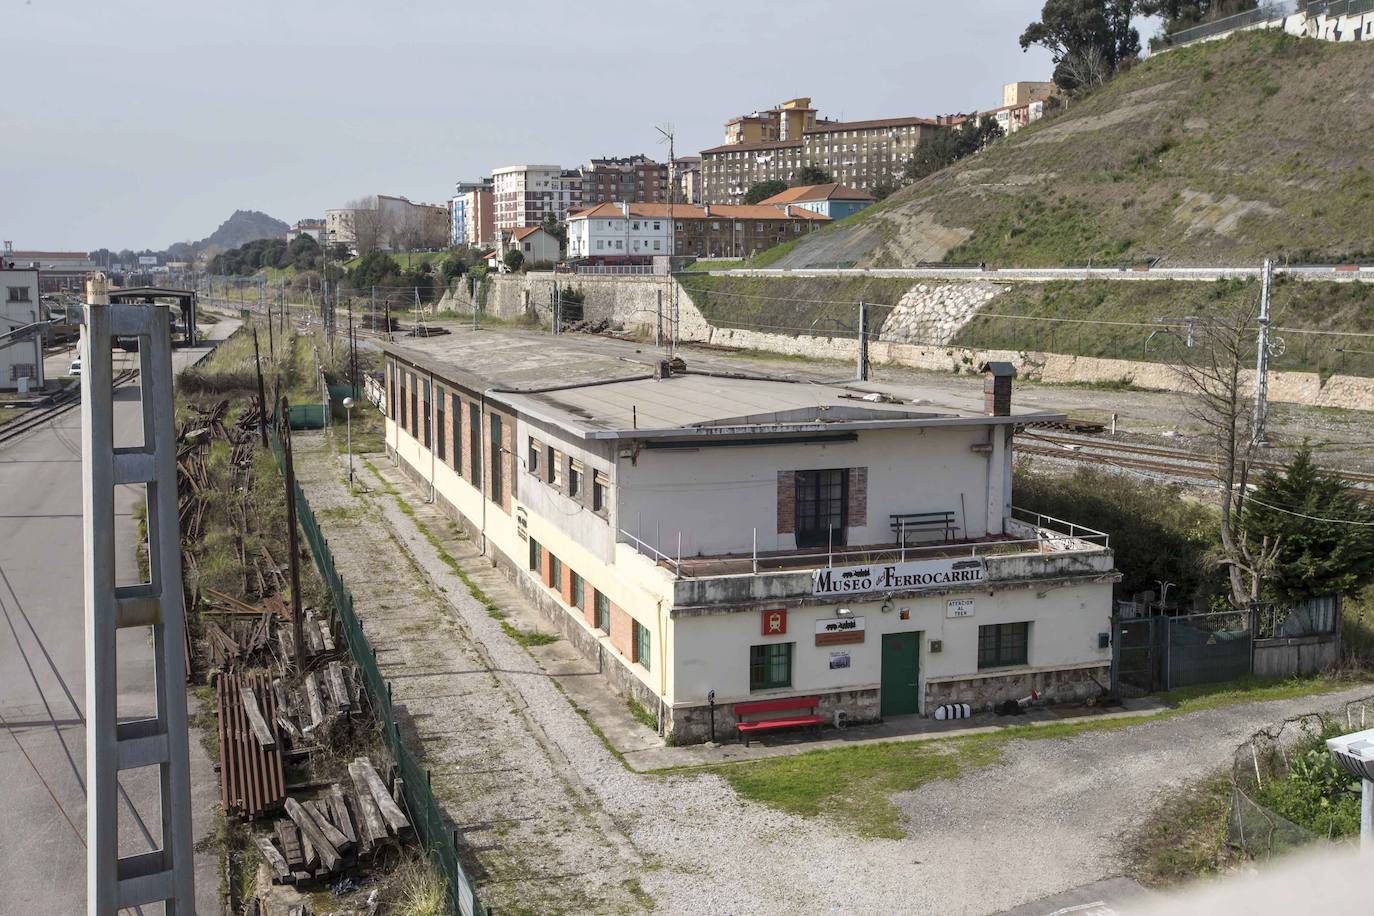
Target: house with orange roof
{"type": "Point", "coordinates": [632, 233]}
{"type": "Point", "coordinates": [833, 200]}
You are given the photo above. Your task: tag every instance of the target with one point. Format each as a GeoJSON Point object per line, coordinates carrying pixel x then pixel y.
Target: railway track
{"type": "Point", "coordinates": [35, 418]}
{"type": "Point", "coordinates": [1178, 463]}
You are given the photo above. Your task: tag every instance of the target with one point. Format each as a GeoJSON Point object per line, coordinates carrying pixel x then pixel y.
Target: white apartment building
{"type": "Point", "coordinates": [622, 230]}
{"type": "Point", "coordinates": [719, 537]}
{"type": "Point", "coordinates": [20, 305]}
{"type": "Point", "coordinates": [522, 195]}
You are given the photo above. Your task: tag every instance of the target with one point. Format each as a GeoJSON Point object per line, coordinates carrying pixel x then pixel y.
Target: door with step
{"type": "Point", "coordinates": [900, 686]}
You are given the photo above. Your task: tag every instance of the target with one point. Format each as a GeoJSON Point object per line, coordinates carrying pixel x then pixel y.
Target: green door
{"type": "Point", "coordinates": [901, 674]}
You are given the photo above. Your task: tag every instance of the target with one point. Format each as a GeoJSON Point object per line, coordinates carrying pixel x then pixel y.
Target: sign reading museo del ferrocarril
{"type": "Point", "coordinates": [917, 574]}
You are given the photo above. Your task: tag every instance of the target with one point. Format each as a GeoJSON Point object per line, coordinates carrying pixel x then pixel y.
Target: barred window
{"type": "Point", "coordinates": [770, 666]}
{"type": "Point", "coordinates": [1003, 644]}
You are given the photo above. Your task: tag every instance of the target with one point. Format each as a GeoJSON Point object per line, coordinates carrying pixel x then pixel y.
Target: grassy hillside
{"type": "Point", "coordinates": [828, 306]}
{"type": "Point", "coordinates": [1217, 153]}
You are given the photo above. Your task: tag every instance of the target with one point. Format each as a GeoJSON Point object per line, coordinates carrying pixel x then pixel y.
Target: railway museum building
{"type": "Point", "coordinates": [715, 536]}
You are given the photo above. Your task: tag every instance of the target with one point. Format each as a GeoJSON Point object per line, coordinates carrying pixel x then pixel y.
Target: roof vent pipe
{"type": "Point", "coordinates": [997, 378]}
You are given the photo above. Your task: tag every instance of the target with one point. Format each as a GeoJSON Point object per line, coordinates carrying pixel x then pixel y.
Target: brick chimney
{"type": "Point", "coordinates": [997, 378]}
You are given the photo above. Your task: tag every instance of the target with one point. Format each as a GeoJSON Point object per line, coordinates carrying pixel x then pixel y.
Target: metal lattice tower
{"type": "Point", "coordinates": [164, 874]}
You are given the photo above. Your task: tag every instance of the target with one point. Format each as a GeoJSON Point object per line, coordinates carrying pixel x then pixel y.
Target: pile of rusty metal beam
{"type": "Point", "coordinates": [342, 830]}
{"type": "Point", "coordinates": [252, 775]}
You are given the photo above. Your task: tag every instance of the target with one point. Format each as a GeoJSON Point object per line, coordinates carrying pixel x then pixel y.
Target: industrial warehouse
{"type": "Point", "coordinates": [717, 539]}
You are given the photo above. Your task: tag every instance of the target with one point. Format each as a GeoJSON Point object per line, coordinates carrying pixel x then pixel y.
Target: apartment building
{"type": "Point", "coordinates": [627, 233]}
{"type": "Point", "coordinates": [315, 228]}
{"type": "Point", "coordinates": [471, 214]}
{"type": "Point", "coordinates": [1027, 91]}
{"type": "Point", "coordinates": [784, 121]}
{"type": "Point", "coordinates": [390, 223]}
{"type": "Point", "coordinates": [20, 306]}
{"type": "Point", "coordinates": [522, 195]}
{"type": "Point", "coordinates": [687, 172]}
{"type": "Point", "coordinates": [859, 154]}
{"type": "Point", "coordinates": [637, 179]}
{"type": "Point", "coordinates": [713, 538]}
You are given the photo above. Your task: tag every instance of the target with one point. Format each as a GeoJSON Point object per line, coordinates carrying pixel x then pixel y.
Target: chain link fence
{"type": "Point", "coordinates": [439, 840]}
{"type": "Point", "coordinates": [1266, 768]}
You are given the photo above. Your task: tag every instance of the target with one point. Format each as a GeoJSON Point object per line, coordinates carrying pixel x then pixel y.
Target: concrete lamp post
{"type": "Point", "coordinates": [1355, 754]}
{"type": "Point", "coordinates": [348, 414]}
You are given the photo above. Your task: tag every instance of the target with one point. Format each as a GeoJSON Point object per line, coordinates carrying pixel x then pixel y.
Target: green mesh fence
{"type": "Point", "coordinates": [439, 841]}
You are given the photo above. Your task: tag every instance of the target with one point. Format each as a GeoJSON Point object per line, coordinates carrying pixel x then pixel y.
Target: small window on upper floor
{"type": "Point", "coordinates": [575, 477]}
{"type": "Point", "coordinates": [556, 468]}
{"type": "Point", "coordinates": [534, 461]}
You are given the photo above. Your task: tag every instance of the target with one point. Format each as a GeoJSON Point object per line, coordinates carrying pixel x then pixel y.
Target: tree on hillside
{"type": "Point", "coordinates": [809, 175]}
{"type": "Point", "coordinates": [1095, 35]}
{"type": "Point", "coordinates": [1182, 14]}
{"type": "Point", "coordinates": [1324, 534]}
{"type": "Point", "coordinates": [513, 259]}
{"type": "Point", "coordinates": [376, 268]}
{"type": "Point", "coordinates": [763, 190]}
{"type": "Point", "coordinates": [945, 147]}
{"type": "Point", "coordinates": [371, 227]}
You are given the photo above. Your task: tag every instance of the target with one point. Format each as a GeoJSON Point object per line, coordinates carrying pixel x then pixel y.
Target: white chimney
{"type": "Point", "coordinates": [625, 208]}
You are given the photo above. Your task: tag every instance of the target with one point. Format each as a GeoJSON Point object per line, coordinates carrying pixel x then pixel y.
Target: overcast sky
{"type": "Point", "coordinates": [133, 124]}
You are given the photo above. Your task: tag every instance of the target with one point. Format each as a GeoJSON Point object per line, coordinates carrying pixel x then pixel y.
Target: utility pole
{"type": "Point", "coordinates": [352, 356]}
{"type": "Point", "coordinates": [1262, 360]}
{"type": "Point", "coordinates": [557, 310]}
{"type": "Point", "coordinates": [297, 628]}
{"type": "Point", "coordinates": [861, 373]}
{"type": "Point", "coordinates": [114, 882]}
{"type": "Point", "coordinates": [658, 318]}
{"type": "Point", "coordinates": [262, 395]}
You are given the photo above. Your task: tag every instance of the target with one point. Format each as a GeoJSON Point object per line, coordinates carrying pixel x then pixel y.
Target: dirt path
{"type": "Point", "coordinates": [562, 826]}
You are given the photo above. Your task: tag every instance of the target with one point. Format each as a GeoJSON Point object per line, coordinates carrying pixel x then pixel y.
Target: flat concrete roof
{"type": "Point", "coordinates": [599, 388]}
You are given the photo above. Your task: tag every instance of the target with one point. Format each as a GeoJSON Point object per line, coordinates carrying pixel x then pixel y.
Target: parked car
{"type": "Point", "coordinates": [75, 367]}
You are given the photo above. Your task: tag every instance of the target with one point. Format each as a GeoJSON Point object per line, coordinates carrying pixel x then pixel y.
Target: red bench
{"type": "Point", "coordinates": [791, 717]}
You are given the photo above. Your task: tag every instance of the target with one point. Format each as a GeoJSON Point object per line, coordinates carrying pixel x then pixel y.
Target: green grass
{"type": "Point", "coordinates": [852, 786]}
{"type": "Point", "coordinates": [414, 258]}
{"type": "Point", "coordinates": [527, 638]}
{"type": "Point", "coordinates": [641, 715]}
{"type": "Point", "coordinates": [7, 414]}
{"type": "Point", "coordinates": [700, 266]}
{"type": "Point", "coordinates": [1116, 177]}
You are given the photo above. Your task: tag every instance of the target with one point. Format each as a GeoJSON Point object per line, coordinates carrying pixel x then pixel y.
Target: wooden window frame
{"type": "Point", "coordinates": [998, 645]}
{"type": "Point", "coordinates": [764, 665]}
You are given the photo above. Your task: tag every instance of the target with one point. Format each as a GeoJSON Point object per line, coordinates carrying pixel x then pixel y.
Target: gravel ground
{"type": "Point", "coordinates": [507, 744]}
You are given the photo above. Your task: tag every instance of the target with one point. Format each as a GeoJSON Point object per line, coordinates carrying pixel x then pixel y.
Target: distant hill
{"type": "Point", "coordinates": [243, 226]}
{"type": "Point", "coordinates": [1216, 153]}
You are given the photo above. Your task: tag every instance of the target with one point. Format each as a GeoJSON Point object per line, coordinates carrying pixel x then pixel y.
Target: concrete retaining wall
{"type": "Point", "coordinates": [629, 302]}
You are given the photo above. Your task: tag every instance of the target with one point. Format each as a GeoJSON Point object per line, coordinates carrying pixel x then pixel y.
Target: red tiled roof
{"type": "Point", "coordinates": [746, 147]}
{"type": "Point", "coordinates": [832, 191]}
{"type": "Point", "coordinates": [519, 234]}
{"type": "Point", "coordinates": [690, 211]}
{"type": "Point", "coordinates": [824, 127]}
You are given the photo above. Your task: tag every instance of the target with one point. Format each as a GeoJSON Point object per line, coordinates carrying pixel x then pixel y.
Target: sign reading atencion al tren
{"type": "Point", "coordinates": [917, 574]}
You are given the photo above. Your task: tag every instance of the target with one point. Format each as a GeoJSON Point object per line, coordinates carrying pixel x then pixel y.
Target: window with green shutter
{"type": "Point", "coordinates": [578, 591]}
{"type": "Point", "coordinates": [555, 574]}
{"type": "Point", "coordinates": [770, 666]}
{"type": "Point", "coordinates": [642, 644]}
{"type": "Point", "coordinates": [603, 613]}
{"type": "Point", "coordinates": [536, 557]}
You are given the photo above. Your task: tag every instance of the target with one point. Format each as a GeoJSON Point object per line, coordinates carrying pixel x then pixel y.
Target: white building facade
{"type": "Point", "coordinates": [619, 230]}
{"type": "Point", "coordinates": [745, 538]}
{"type": "Point", "coordinates": [21, 357]}
{"type": "Point", "coordinates": [523, 195]}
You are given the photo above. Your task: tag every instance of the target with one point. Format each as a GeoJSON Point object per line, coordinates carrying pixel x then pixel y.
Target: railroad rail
{"type": "Point", "coordinates": [1171, 462]}
{"type": "Point", "coordinates": [32, 419]}
{"type": "Point", "coordinates": [252, 777]}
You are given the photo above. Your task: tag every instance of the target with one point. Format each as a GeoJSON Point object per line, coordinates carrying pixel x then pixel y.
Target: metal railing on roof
{"type": "Point", "coordinates": [1330, 8]}
{"type": "Point", "coordinates": [1052, 535]}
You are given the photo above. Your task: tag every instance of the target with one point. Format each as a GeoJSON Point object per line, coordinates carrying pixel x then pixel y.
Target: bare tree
{"type": "Point", "coordinates": [406, 229]}
{"type": "Point", "coordinates": [370, 224]}
{"type": "Point", "coordinates": [1086, 68]}
{"type": "Point", "coordinates": [1216, 369]}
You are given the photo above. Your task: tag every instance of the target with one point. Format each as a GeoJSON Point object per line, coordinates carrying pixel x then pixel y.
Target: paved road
{"type": "Point", "coordinates": [42, 683]}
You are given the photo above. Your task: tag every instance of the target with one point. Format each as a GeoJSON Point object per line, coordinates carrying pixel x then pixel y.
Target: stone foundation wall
{"type": "Point", "coordinates": [1067, 686]}
{"type": "Point", "coordinates": [692, 724]}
